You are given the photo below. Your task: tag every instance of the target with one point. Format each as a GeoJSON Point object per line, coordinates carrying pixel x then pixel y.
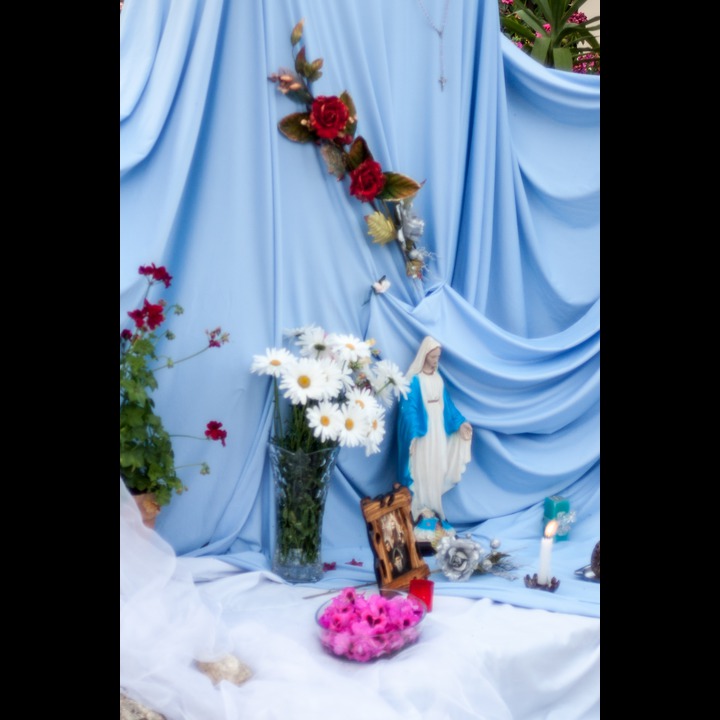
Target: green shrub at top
{"type": "Point", "coordinates": [553, 32]}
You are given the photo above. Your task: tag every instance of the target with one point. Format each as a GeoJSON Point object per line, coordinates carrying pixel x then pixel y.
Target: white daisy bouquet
{"type": "Point", "coordinates": [338, 389]}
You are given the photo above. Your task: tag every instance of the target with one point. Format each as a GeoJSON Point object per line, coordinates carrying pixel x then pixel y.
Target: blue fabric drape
{"type": "Point", "coordinates": [260, 238]}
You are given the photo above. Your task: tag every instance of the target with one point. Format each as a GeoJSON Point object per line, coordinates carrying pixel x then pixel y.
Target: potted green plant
{"type": "Point", "coordinates": [147, 460]}
{"type": "Point", "coordinates": [554, 32]}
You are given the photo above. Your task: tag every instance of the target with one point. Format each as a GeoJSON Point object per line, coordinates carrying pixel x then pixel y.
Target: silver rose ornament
{"type": "Point", "coordinates": [457, 557]}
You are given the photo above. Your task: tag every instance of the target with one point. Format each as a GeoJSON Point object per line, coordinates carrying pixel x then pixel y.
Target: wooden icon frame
{"type": "Point", "coordinates": [388, 518]}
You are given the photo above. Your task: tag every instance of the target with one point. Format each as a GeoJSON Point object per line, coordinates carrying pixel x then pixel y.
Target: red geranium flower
{"type": "Point", "coordinates": [367, 180]}
{"type": "Point", "coordinates": [214, 432]}
{"type": "Point", "coordinates": [126, 335]}
{"type": "Point", "coordinates": [149, 317]}
{"type": "Point", "coordinates": [328, 116]}
{"type": "Point", "coordinates": [154, 314]}
{"type": "Point", "coordinates": [159, 274]}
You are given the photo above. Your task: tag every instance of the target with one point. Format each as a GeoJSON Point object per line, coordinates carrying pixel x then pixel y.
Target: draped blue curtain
{"type": "Point", "coordinates": [260, 238]}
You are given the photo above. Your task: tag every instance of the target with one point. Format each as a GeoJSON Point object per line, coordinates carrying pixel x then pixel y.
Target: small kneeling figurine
{"type": "Point", "coordinates": [434, 442]}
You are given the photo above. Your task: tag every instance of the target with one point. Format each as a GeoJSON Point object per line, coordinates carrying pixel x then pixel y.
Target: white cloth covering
{"type": "Point", "coordinates": [476, 659]}
{"type": "Point", "coordinates": [165, 626]}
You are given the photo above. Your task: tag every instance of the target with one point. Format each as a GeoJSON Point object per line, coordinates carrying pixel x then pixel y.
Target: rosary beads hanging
{"type": "Point", "coordinates": [441, 34]}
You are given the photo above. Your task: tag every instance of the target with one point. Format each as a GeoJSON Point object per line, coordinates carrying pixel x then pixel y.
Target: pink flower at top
{"type": "Point", "coordinates": [348, 595]}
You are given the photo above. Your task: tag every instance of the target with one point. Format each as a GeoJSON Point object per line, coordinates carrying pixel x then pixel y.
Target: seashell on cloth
{"type": "Point", "coordinates": [228, 668]}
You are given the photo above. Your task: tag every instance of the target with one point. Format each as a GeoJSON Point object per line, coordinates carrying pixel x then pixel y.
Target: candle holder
{"type": "Point", "coordinates": [532, 582]}
{"type": "Point", "coordinates": [423, 589]}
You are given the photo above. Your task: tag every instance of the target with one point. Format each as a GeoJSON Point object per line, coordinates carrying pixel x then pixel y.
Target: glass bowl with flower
{"type": "Point", "coordinates": [363, 628]}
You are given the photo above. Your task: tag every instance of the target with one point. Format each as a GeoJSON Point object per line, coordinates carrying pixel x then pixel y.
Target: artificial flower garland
{"type": "Point", "coordinates": [330, 123]}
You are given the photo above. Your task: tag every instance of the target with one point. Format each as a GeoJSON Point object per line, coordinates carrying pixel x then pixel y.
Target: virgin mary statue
{"type": "Point", "coordinates": [434, 441]}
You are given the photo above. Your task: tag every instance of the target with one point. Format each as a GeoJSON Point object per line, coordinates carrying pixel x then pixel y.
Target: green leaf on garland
{"type": "Point", "coordinates": [294, 127]}
{"type": "Point", "coordinates": [297, 32]}
{"type": "Point", "coordinates": [351, 124]}
{"type": "Point", "coordinates": [398, 187]}
{"type": "Point", "coordinates": [334, 158]}
{"type": "Point", "coordinates": [358, 153]}
{"type": "Point", "coordinates": [381, 228]}
{"type": "Point", "coordinates": [300, 62]}
{"type": "Point", "coordinates": [312, 70]}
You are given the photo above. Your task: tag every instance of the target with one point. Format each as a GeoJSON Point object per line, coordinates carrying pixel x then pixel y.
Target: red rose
{"type": "Point", "coordinates": [366, 180]}
{"type": "Point", "coordinates": [328, 116]}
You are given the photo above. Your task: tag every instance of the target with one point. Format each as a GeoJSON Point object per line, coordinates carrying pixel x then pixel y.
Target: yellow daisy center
{"type": "Point", "coordinates": [349, 423]}
{"type": "Point", "coordinates": [304, 382]}
{"type": "Point", "coordinates": [324, 420]}
{"type": "Point", "coordinates": [275, 362]}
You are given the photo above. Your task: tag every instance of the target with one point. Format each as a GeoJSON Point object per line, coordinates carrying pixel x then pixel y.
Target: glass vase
{"type": "Point", "coordinates": [301, 482]}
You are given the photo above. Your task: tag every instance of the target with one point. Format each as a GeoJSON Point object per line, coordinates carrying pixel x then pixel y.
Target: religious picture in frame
{"type": "Point", "coordinates": [390, 531]}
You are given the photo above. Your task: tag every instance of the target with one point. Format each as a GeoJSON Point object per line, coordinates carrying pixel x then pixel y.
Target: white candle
{"type": "Point", "coordinates": [546, 544]}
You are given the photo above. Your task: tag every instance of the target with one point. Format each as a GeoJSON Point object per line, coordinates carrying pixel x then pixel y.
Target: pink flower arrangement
{"type": "Point", "coordinates": [364, 628]}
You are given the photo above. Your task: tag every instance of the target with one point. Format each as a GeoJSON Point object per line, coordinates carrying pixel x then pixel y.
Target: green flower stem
{"type": "Point", "coordinates": [276, 401]}
{"type": "Point", "coordinates": [301, 484]}
{"type": "Point", "coordinates": [171, 363]}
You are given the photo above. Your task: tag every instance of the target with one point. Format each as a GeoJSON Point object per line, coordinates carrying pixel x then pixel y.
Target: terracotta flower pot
{"type": "Point", "coordinates": [149, 509]}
